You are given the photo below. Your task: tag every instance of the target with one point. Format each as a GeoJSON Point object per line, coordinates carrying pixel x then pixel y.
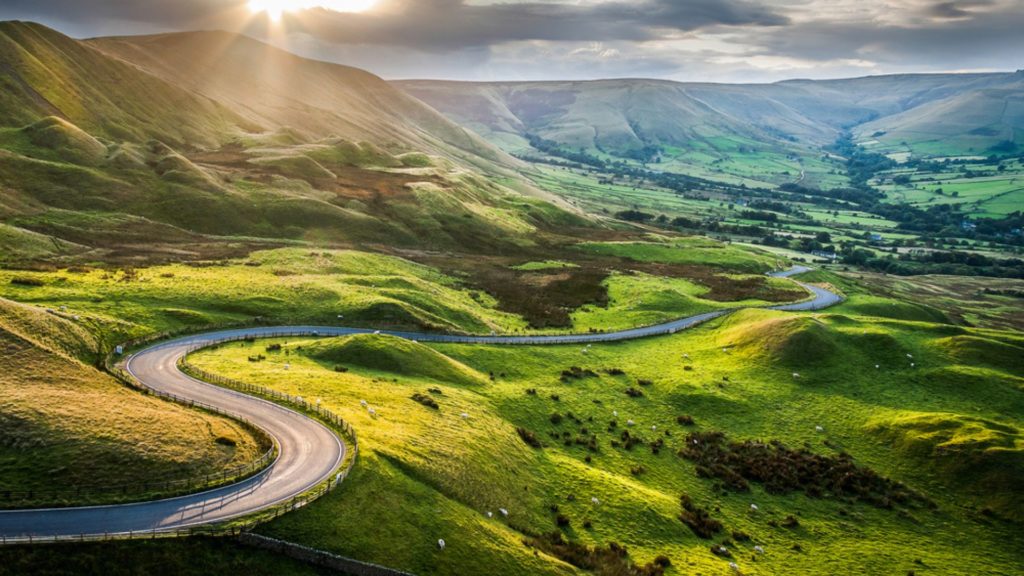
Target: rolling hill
{"type": "Point", "coordinates": [621, 117]}
{"type": "Point", "coordinates": [207, 144]}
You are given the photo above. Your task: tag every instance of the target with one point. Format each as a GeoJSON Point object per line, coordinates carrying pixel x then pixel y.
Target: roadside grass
{"type": "Point", "coordinates": [170, 557]}
{"type": "Point", "coordinates": [429, 473]}
{"type": "Point", "coordinates": [64, 425]}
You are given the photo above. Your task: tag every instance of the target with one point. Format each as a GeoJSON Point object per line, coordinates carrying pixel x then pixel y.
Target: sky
{"type": "Point", "coordinates": [685, 40]}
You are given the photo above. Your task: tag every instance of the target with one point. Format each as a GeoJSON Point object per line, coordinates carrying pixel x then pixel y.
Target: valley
{"type": "Point", "coordinates": [614, 327]}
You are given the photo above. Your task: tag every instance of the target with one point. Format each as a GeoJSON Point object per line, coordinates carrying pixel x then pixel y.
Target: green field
{"type": "Point", "coordinates": [429, 473]}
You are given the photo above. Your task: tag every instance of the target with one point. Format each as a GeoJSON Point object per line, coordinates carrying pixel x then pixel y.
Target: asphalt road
{"type": "Point", "coordinates": [308, 451]}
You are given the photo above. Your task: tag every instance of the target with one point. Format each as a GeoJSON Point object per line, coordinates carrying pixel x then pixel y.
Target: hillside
{"type": "Point", "coordinates": [85, 429]}
{"type": "Point", "coordinates": [208, 144]}
{"type": "Point", "coordinates": [686, 127]}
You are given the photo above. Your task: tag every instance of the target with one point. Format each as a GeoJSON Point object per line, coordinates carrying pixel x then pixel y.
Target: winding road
{"type": "Point", "coordinates": [309, 452]}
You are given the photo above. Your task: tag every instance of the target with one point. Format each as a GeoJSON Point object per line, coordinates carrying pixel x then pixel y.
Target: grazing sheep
{"type": "Point", "coordinates": [687, 356]}
{"type": "Point", "coordinates": [753, 508]}
{"type": "Point", "coordinates": [503, 512]}
{"type": "Point", "coordinates": [630, 423]}
{"type": "Point", "coordinates": [796, 374]}
{"type": "Point", "coordinates": [440, 544]}
{"type": "Point", "coordinates": [819, 429]}
{"type": "Point", "coordinates": [490, 514]}
{"type": "Point", "coordinates": [735, 568]}
{"type": "Point", "coordinates": [363, 403]}
{"type": "Point", "coordinates": [615, 413]}
{"type": "Point", "coordinates": [654, 428]}
{"type": "Point", "coordinates": [595, 501]}
{"type": "Point", "coordinates": [464, 416]}
{"type": "Point", "coordinates": [877, 366]}
{"type": "Point", "coordinates": [912, 364]}
{"type": "Point", "coordinates": [759, 549]}
{"type": "Point", "coordinates": [373, 413]}
{"type": "Point", "coordinates": [287, 366]}
{"type": "Point", "coordinates": [910, 355]}
{"type": "Point", "coordinates": [376, 331]}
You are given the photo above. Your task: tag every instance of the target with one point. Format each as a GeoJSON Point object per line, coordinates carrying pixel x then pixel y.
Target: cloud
{"type": "Point", "coordinates": [717, 40]}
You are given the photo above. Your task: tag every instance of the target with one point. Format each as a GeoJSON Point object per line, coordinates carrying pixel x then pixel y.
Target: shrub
{"type": "Point", "coordinates": [612, 559]}
{"type": "Point", "coordinates": [577, 373]}
{"type": "Point", "coordinates": [274, 348]}
{"type": "Point", "coordinates": [426, 400]}
{"type": "Point", "coordinates": [698, 519]}
{"type": "Point", "coordinates": [27, 281]}
{"type": "Point", "coordinates": [615, 371]}
{"type": "Point", "coordinates": [685, 420]}
{"type": "Point", "coordinates": [531, 391]}
{"type": "Point", "coordinates": [225, 441]}
{"type": "Point", "coordinates": [633, 392]}
{"type": "Point", "coordinates": [340, 369]}
{"type": "Point", "coordinates": [643, 382]}
{"type": "Point", "coordinates": [562, 520]}
{"type": "Point", "coordinates": [529, 437]}
{"type": "Point", "coordinates": [556, 418]}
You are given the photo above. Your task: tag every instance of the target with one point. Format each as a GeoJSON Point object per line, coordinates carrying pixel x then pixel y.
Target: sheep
{"type": "Point", "coordinates": [615, 413]}
{"type": "Point", "coordinates": [687, 356]}
{"type": "Point", "coordinates": [759, 549]}
{"type": "Point", "coordinates": [654, 428]}
{"type": "Point", "coordinates": [440, 543]}
{"type": "Point", "coordinates": [910, 355]}
{"type": "Point", "coordinates": [796, 375]}
{"type": "Point", "coordinates": [594, 500]}
{"type": "Point", "coordinates": [877, 366]}
{"type": "Point", "coordinates": [819, 429]}
{"type": "Point", "coordinates": [734, 567]}
{"type": "Point", "coordinates": [373, 413]}
{"type": "Point", "coordinates": [912, 364]}
{"type": "Point", "coordinates": [630, 423]}
{"type": "Point", "coordinates": [490, 514]}
{"type": "Point", "coordinates": [287, 366]}
{"type": "Point", "coordinates": [376, 332]}
{"type": "Point", "coordinates": [754, 508]}
{"type": "Point", "coordinates": [363, 403]}
{"type": "Point", "coordinates": [464, 416]}
{"type": "Point", "coordinates": [503, 511]}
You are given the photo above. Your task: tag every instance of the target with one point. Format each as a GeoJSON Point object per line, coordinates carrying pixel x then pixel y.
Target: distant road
{"type": "Point", "coordinates": [309, 451]}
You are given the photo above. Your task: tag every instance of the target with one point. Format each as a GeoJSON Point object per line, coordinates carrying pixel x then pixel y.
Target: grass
{"type": "Point", "coordinates": [194, 556]}
{"type": "Point", "coordinates": [66, 425]}
{"type": "Point", "coordinates": [426, 474]}
{"type": "Point", "coordinates": [693, 250]}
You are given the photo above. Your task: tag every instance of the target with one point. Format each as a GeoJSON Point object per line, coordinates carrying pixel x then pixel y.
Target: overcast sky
{"type": "Point", "coordinates": [689, 40]}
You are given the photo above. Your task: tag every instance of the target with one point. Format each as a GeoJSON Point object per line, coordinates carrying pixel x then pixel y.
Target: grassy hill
{"type": "Point", "coordinates": [210, 144]}
{"type": "Point", "coordinates": [66, 424]}
{"type": "Point", "coordinates": [904, 467]}
{"type": "Point", "coordinates": [753, 134]}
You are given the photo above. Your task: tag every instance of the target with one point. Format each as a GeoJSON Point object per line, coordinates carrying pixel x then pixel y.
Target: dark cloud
{"type": "Point", "coordinates": [723, 40]}
{"type": "Point", "coordinates": [451, 24]}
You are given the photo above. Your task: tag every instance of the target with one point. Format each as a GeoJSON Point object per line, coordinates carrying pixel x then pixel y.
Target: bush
{"type": "Point", "coordinates": [698, 519]}
{"type": "Point", "coordinates": [340, 369]}
{"type": "Point", "coordinates": [426, 400]}
{"type": "Point", "coordinates": [529, 437]}
{"type": "Point", "coordinates": [274, 348]}
{"type": "Point", "coordinates": [27, 281]}
{"type": "Point", "coordinates": [556, 418]}
{"type": "Point", "coordinates": [633, 392]}
{"type": "Point", "coordinates": [685, 420]}
{"type": "Point", "coordinates": [610, 560]}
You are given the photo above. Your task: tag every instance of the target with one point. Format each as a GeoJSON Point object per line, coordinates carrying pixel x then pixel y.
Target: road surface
{"type": "Point", "coordinates": [308, 451]}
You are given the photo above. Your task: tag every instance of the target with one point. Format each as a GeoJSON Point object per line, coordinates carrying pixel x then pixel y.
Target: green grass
{"type": "Point", "coordinates": [692, 250]}
{"type": "Point", "coordinates": [426, 474]}
{"type": "Point", "coordinates": [65, 424]}
{"type": "Point", "coordinates": [191, 557]}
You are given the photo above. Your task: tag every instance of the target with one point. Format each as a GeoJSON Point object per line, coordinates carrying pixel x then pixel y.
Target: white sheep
{"type": "Point", "coordinates": [594, 500]}
{"type": "Point", "coordinates": [440, 544]}
{"type": "Point", "coordinates": [910, 355]}
{"type": "Point", "coordinates": [464, 415]}
{"type": "Point", "coordinates": [373, 413]}
{"type": "Point", "coordinates": [287, 366]}
{"type": "Point", "coordinates": [819, 429]}
{"type": "Point", "coordinates": [877, 366]}
{"type": "Point", "coordinates": [490, 514]}
{"type": "Point", "coordinates": [363, 403]}
{"type": "Point", "coordinates": [615, 413]}
{"type": "Point", "coordinates": [630, 423]}
{"type": "Point", "coordinates": [796, 375]}
{"type": "Point", "coordinates": [503, 511]}
{"type": "Point", "coordinates": [754, 508]}
{"type": "Point", "coordinates": [734, 567]}
{"type": "Point", "coordinates": [654, 428]}
{"type": "Point", "coordinates": [912, 364]}
{"type": "Point", "coordinates": [759, 549]}
{"type": "Point", "coordinates": [687, 356]}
